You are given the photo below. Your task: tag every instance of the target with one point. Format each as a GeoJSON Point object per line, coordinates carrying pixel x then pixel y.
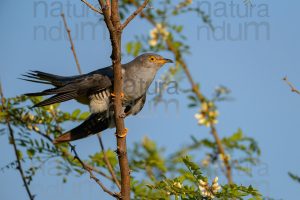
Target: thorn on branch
{"type": "Point", "coordinates": [293, 88]}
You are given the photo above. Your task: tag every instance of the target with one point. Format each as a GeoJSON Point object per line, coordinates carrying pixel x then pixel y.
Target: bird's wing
{"type": "Point", "coordinates": [68, 88]}
{"type": "Point", "coordinates": [136, 106]}
{"type": "Point", "coordinates": [96, 123]}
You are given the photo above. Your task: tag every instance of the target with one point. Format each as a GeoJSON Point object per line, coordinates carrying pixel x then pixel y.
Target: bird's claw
{"type": "Point", "coordinates": [123, 133]}
{"type": "Point", "coordinates": [123, 115]}
{"type": "Point", "coordinates": [114, 96]}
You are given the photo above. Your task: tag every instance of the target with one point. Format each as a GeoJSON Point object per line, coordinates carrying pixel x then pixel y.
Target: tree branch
{"type": "Point", "coordinates": [92, 7]}
{"type": "Point", "coordinates": [113, 23]}
{"type": "Point", "coordinates": [92, 176]}
{"type": "Point", "coordinates": [213, 129]}
{"type": "Point", "coordinates": [65, 154]}
{"type": "Point", "coordinates": [71, 42]}
{"type": "Point", "coordinates": [109, 167]}
{"type": "Point", "coordinates": [197, 92]}
{"type": "Point", "coordinates": [221, 150]}
{"type": "Point", "coordinates": [293, 88]}
{"type": "Point", "coordinates": [134, 14]}
{"type": "Point", "coordinates": [12, 140]}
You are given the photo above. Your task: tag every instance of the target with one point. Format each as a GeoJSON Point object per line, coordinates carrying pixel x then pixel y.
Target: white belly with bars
{"type": "Point", "coordinates": [99, 102]}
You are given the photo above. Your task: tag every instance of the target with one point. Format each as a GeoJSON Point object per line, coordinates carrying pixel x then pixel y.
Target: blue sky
{"type": "Point", "coordinates": [252, 68]}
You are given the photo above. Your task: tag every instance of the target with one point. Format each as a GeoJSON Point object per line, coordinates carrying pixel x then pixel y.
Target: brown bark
{"type": "Point", "coordinates": [112, 20]}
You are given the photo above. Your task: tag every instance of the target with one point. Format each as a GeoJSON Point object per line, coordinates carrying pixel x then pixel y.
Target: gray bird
{"type": "Point", "coordinates": [95, 89]}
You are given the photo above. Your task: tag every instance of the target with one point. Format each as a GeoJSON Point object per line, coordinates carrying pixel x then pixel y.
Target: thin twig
{"type": "Point", "coordinates": [293, 88]}
{"type": "Point", "coordinates": [92, 176]}
{"type": "Point", "coordinates": [197, 92]}
{"type": "Point", "coordinates": [12, 140]}
{"type": "Point", "coordinates": [92, 7]}
{"type": "Point", "coordinates": [108, 164]}
{"type": "Point", "coordinates": [65, 154]}
{"type": "Point", "coordinates": [134, 14]}
{"type": "Point", "coordinates": [71, 42]}
{"type": "Point", "coordinates": [221, 150]}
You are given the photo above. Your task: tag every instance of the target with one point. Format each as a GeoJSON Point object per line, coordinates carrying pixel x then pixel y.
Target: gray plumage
{"type": "Point", "coordinates": [95, 89]}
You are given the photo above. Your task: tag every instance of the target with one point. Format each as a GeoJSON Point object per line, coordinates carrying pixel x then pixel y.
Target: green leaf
{"type": "Point", "coordinates": [128, 47]}
{"type": "Point", "coordinates": [194, 169]}
{"type": "Point", "coordinates": [294, 177]}
{"type": "Point", "coordinates": [75, 113]}
{"type": "Point", "coordinates": [30, 152]}
{"type": "Point", "coordinates": [137, 48]}
{"type": "Point", "coordinates": [20, 155]}
{"type": "Point", "coordinates": [84, 115]}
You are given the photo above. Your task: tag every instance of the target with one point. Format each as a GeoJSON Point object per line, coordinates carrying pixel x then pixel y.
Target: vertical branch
{"type": "Point", "coordinates": [112, 19]}
{"type": "Point", "coordinates": [110, 169]}
{"type": "Point", "coordinates": [13, 141]}
{"type": "Point", "coordinates": [118, 87]}
{"type": "Point", "coordinates": [71, 42]}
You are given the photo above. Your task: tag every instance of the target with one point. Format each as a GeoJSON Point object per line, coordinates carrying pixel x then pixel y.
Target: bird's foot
{"type": "Point", "coordinates": [123, 133]}
{"type": "Point", "coordinates": [123, 115]}
{"type": "Point", "coordinates": [114, 96]}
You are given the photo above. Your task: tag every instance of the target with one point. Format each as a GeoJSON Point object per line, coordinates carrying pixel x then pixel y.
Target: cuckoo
{"type": "Point", "coordinates": [96, 90]}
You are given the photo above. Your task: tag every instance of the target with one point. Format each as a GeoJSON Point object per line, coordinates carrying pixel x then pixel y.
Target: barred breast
{"type": "Point", "coordinates": [99, 102]}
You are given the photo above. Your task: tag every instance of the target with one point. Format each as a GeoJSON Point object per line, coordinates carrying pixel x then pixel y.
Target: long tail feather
{"type": "Point", "coordinates": [35, 81]}
{"type": "Point", "coordinates": [43, 77]}
{"type": "Point", "coordinates": [56, 99]}
{"type": "Point", "coordinates": [94, 124]}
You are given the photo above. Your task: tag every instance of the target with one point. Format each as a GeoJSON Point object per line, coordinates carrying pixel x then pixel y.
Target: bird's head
{"type": "Point", "coordinates": [152, 60]}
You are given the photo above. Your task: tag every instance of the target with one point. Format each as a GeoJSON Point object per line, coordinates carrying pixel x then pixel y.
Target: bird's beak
{"type": "Point", "coordinates": [165, 60]}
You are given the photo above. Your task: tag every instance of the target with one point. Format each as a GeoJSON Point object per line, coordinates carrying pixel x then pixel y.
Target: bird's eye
{"type": "Point", "coordinates": [152, 58]}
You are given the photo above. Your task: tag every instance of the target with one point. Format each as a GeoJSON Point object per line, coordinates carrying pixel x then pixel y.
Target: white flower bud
{"type": "Point", "coordinates": [216, 180]}
{"type": "Point", "coordinates": [202, 183]}
{"type": "Point", "coordinates": [201, 188]}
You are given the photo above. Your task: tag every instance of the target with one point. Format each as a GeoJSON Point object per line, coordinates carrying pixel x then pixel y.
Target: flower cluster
{"type": "Point", "coordinates": [207, 114]}
{"type": "Point", "coordinates": [177, 184]}
{"type": "Point", "coordinates": [206, 161]}
{"type": "Point", "coordinates": [207, 190]}
{"type": "Point", "coordinates": [30, 119]}
{"type": "Point", "coordinates": [159, 31]}
{"type": "Point", "coordinates": [224, 157]}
